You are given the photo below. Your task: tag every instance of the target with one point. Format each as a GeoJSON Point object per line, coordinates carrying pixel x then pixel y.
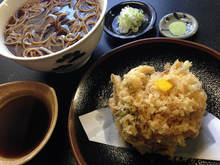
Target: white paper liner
{"type": "Point", "coordinates": [100, 127]}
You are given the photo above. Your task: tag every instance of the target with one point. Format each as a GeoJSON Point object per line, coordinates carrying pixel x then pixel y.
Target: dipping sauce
{"type": "Point", "coordinates": [42, 27]}
{"type": "Point", "coordinates": [24, 122]}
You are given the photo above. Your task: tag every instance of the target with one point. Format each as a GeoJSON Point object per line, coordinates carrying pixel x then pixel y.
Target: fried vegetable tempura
{"type": "Point", "coordinates": [158, 111]}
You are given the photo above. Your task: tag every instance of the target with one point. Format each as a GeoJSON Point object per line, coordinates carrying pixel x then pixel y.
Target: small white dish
{"type": "Point", "coordinates": [190, 23]}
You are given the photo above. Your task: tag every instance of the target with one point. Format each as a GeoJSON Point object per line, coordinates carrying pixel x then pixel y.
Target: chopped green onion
{"type": "Point", "coordinates": [130, 19]}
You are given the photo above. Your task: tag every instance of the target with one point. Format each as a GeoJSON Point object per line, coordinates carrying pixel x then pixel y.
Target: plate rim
{"type": "Point", "coordinates": [71, 127]}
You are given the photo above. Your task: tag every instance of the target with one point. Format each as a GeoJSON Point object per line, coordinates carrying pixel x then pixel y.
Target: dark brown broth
{"type": "Point", "coordinates": [24, 122]}
{"type": "Point", "coordinates": [49, 23]}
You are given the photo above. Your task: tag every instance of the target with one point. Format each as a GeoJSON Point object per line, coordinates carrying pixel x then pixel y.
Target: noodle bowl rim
{"type": "Point", "coordinates": [14, 57]}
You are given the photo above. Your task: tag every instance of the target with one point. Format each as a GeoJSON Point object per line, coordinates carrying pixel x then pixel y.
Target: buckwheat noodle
{"type": "Point", "coordinates": [42, 27]}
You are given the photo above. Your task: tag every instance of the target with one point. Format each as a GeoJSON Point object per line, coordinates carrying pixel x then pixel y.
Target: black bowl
{"type": "Point", "coordinates": [95, 89]}
{"type": "Point", "coordinates": [111, 19]}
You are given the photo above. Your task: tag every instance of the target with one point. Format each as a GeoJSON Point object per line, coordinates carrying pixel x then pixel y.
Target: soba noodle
{"type": "Point", "coordinates": [42, 27]}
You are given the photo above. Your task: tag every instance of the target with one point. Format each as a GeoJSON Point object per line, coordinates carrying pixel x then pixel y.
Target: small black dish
{"type": "Point", "coordinates": [111, 19]}
{"type": "Point", "coordinates": [95, 89]}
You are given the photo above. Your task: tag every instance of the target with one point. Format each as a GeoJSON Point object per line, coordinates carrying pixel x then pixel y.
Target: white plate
{"type": "Point", "coordinates": [190, 22]}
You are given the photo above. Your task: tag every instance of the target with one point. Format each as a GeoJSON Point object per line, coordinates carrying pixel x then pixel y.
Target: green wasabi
{"type": "Point", "coordinates": [177, 28]}
{"type": "Point", "coordinates": [130, 19]}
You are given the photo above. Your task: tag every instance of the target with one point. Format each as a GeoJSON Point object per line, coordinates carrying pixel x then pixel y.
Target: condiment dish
{"type": "Point", "coordinates": [111, 20]}
{"type": "Point", "coordinates": [190, 23]}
